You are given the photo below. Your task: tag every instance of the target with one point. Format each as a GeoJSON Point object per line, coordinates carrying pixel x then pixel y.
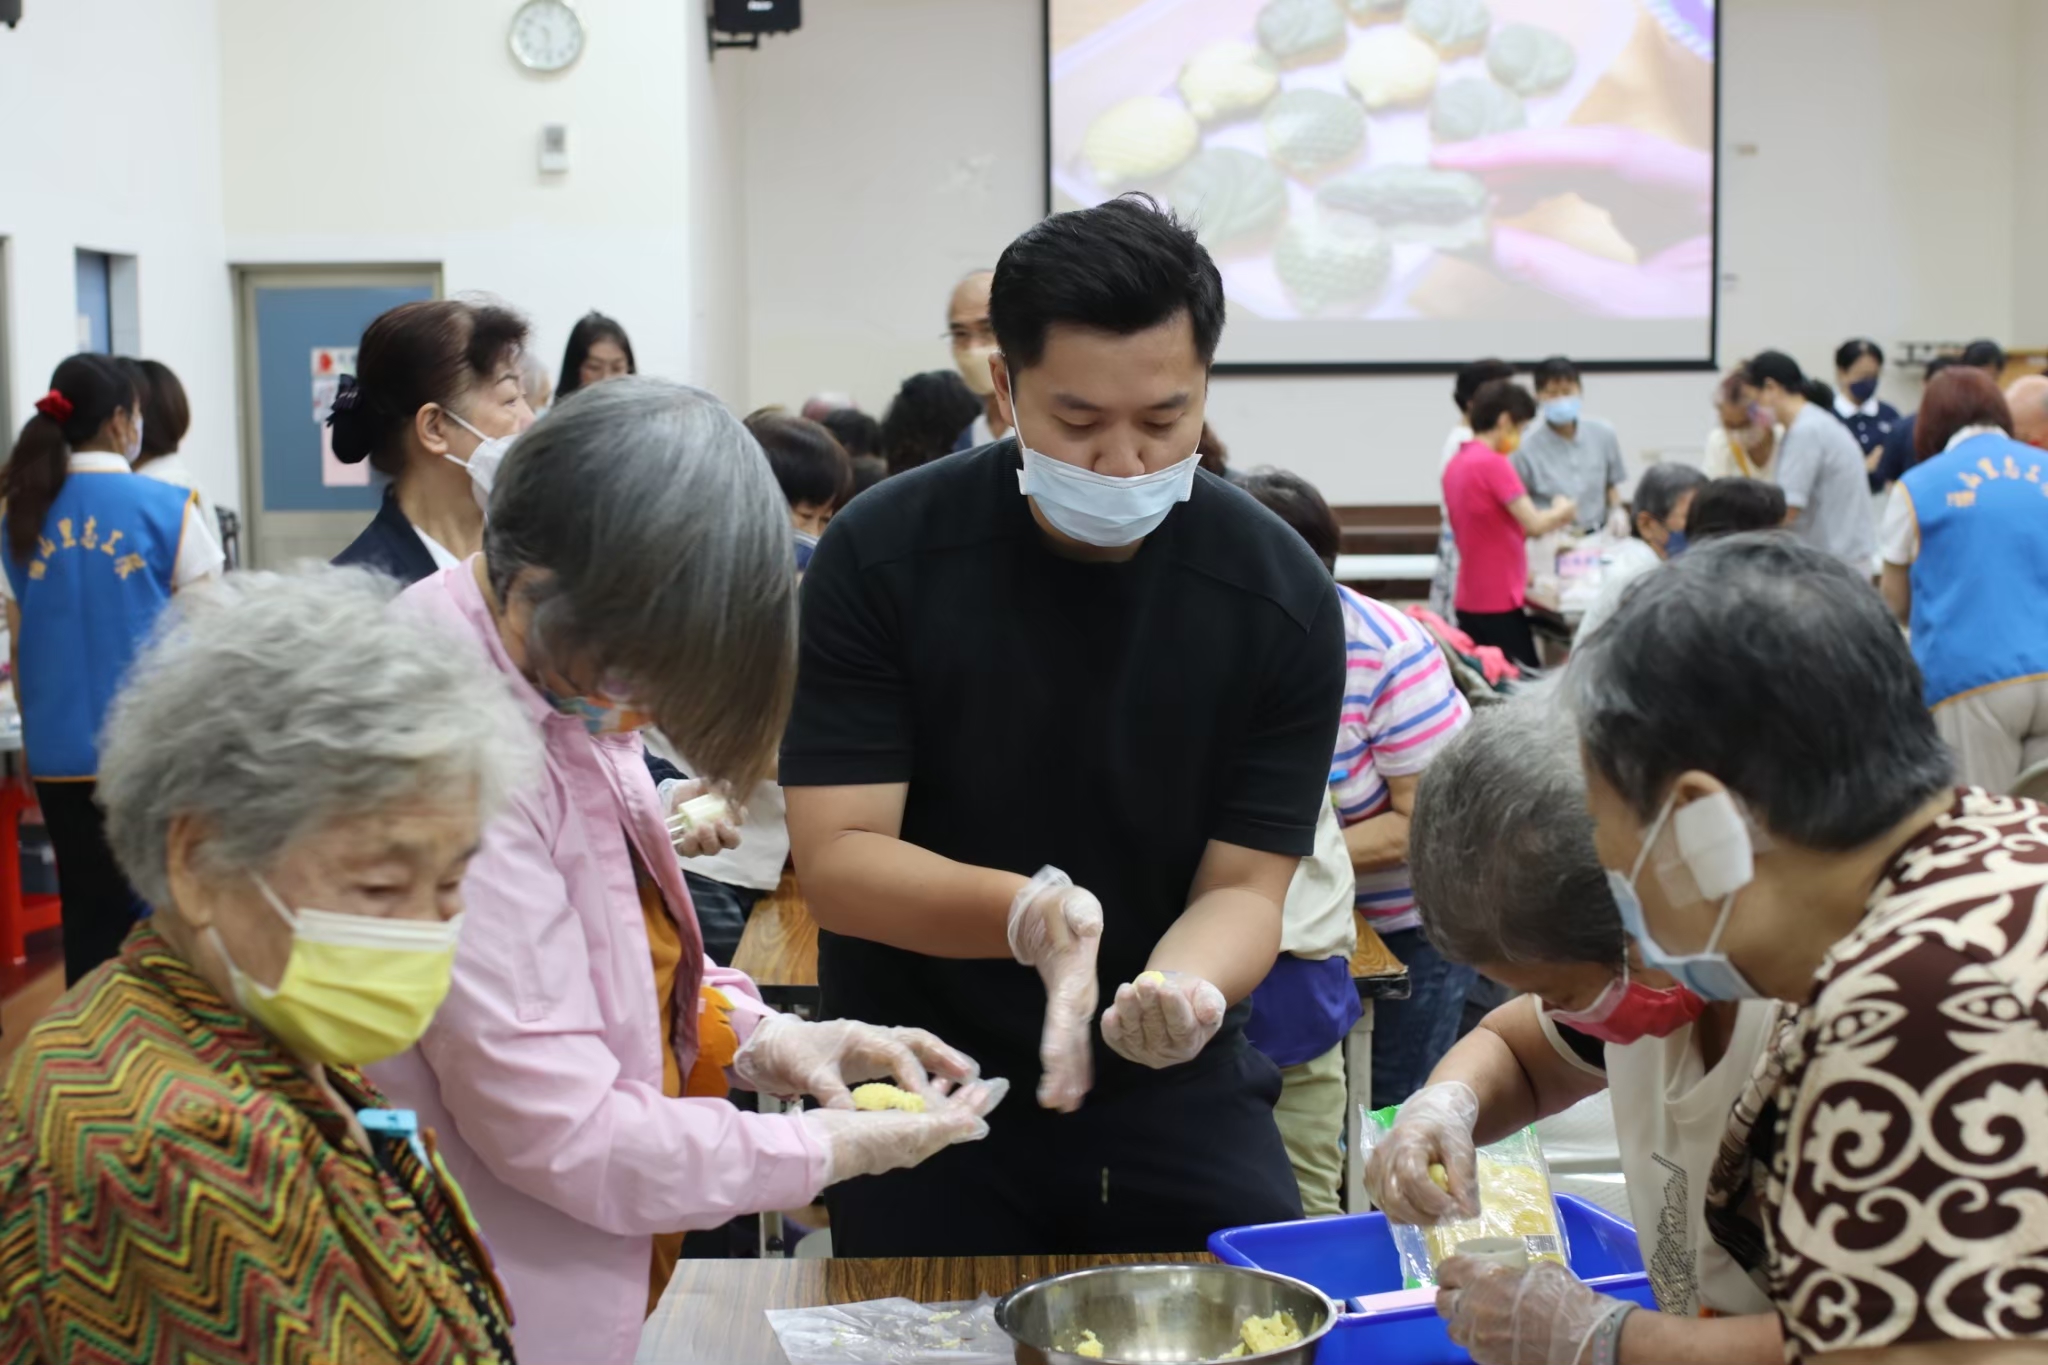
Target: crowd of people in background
{"type": "Point", "coordinates": [620, 600]}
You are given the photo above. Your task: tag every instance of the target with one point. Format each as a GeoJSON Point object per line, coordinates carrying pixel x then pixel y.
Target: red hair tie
{"type": "Point", "coordinates": [55, 406]}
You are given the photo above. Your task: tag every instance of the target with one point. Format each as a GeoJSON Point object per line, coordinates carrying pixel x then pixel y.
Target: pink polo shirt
{"type": "Point", "coordinates": [542, 1072]}
{"type": "Point", "coordinates": [1493, 553]}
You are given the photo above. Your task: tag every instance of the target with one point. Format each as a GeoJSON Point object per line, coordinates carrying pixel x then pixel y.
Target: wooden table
{"type": "Point", "coordinates": [713, 1311]}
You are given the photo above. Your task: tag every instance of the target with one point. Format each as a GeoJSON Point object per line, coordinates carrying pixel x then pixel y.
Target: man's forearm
{"type": "Point", "coordinates": [879, 888]}
{"type": "Point", "coordinates": [1377, 843]}
{"type": "Point", "coordinates": [1229, 937]}
{"type": "Point", "coordinates": [1665, 1339]}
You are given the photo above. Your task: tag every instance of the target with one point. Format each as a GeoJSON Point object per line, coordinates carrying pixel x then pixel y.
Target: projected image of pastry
{"type": "Point", "coordinates": [1302, 31]}
{"type": "Point", "coordinates": [1332, 262]}
{"type": "Point", "coordinates": [1233, 198]}
{"type": "Point", "coordinates": [1454, 28]}
{"type": "Point", "coordinates": [1310, 131]}
{"type": "Point", "coordinates": [1529, 60]}
{"type": "Point", "coordinates": [1227, 80]}
{"type": "Point", "coordinates": [1376, 11]}
{"type": "Point", "coordinates": [1463, 110]}
{"type": "Point", "coordinates": [1140, 139]}
{"type": "Point", "coordinates": [1443, 209]}
{"type": "Point", "coordinates": [1389, 67]}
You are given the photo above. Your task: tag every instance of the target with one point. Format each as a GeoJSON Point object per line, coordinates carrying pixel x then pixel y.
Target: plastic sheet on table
{"type": "Point", "coordinates": [893, 1332]}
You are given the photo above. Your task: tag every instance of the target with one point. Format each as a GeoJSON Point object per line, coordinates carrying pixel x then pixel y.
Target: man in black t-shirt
{"type": "Point", "coordinates": [1079, 658]}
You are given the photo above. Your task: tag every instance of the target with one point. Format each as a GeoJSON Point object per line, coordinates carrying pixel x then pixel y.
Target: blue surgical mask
{"type": "Point", "coordinates": [1708, 973]}
{"type": "Point", "coordinates": [1097, 509]}
{"type": "Point", "coordinates": [1863, 390]}
{"type": "Point", "coordinates": [1674, 545]}
{"type": "Point", "coordinates": [1562, 412]}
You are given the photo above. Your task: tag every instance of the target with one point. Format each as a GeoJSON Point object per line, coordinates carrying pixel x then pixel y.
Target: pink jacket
{"type": "Point", "coordinates": [541, 1075]}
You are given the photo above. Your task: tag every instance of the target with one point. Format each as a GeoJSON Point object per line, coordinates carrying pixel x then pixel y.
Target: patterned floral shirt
{"type": "Point", "coordinates": [1896, 1134]}
{"type": "Point", "coordinates": [174, 1188]}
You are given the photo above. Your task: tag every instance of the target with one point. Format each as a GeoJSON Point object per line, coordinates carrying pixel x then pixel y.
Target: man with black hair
{"type": "Point", "coordinates": [1064, 719]}
{"type": "Point", "coordinates": [1820, 466]}
{"type": "Point", "coordinates": [1567, 454]}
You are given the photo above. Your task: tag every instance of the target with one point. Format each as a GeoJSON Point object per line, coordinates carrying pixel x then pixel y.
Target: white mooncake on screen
{"type": "Point", "coordinates": [1228, 79]}
{"type": "Point", "coordinates": [1139, 139]}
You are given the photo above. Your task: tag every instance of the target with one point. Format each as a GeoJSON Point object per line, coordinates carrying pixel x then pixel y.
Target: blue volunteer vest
{"type": "Point", "coordinates": [89, 595]}
{"type": "Point", "coordinates": [1982, 575]}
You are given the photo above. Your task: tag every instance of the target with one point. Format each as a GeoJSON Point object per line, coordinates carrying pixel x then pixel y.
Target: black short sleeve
{"type": "Point", "coordinates": [851, 724]}
{"type": "Point", "coordinates": [1273, 793]}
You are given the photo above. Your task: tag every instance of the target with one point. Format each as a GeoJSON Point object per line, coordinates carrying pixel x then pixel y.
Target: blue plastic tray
{"type": "Point", "coordinates": [1348, 1258]}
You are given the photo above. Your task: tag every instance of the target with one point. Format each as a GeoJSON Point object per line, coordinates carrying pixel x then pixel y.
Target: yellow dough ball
{"type": "Point", "coordinates": [1140, 139]}
{"type": "Point", "coordinates": [1090, 1348]}
{"type": "Point", "coordinates": [1441, 1176]}
{"type": "Point", "coordinates": [877, 1096]}
{"type": "Point", "coordinates": [1156, 978]}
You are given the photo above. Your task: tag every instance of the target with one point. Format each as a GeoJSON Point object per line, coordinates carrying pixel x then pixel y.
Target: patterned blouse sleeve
{"type": "Point", "coordinates": [1914, 1206]}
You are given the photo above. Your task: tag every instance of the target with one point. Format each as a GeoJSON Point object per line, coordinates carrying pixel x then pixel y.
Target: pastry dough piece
{"type": "Point", "coordinates": [1529, 60]}
{"type": "Point", "coordinates": [1391, 66]}
{"type": "Point", "coordinates": [1302, 31]}
{"type": "Point", "coordinates": [1443, 209]}
{"type": "Point", "coordinates": [1314, 130]}
{"type": "Point", "coordinates": [877, 1096]}
{"type": "Point", "coordinates": [1228, 196]}
{"type": "Point", "coordinates": [1376, 11]}
{"type": "Point", "coordinates": [1226, 79]}
{"type": "Point", "coordinates": [1455, 28]}
{"type": "Point", "coordinates": [1139, 139]}
{"type": "Point", "coordinates": [1332, 262]}
{"type": "Point", "coordinates": [1466, 109]}
{"type": "Point", "coordinates": [1577, 223]}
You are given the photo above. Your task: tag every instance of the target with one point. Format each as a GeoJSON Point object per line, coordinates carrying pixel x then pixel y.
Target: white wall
{"type": "Point", "coordinates": [894, 144]}
{"type": "Point", "coordinates": [112, 142]}
{"type": "Point", "coordinates": [396, 131]}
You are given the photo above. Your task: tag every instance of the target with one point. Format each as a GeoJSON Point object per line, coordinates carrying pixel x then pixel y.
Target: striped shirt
{"type": "Point", "coordinates": [1400, 708]}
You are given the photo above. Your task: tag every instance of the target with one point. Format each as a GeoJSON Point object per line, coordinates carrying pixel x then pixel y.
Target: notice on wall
{"type": "Point", "coordinates": [330, 363]}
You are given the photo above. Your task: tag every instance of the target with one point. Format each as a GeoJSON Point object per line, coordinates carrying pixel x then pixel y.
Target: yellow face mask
{"type": "Point", "coordinates": [1512, 444]}
{"type": "Point", "coordinates": [356, 989]}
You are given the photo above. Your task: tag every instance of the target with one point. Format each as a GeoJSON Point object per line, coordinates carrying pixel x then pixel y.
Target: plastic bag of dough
{"type": "Point", "coordinates": [1515, 1200]}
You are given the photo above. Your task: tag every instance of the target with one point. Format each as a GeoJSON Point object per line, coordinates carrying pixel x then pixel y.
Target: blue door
{"type": "Point", "coordinates": [301, 336]}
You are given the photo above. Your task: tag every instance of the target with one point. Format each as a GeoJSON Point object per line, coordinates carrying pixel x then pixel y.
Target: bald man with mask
{"type": "Point", "coordinates": [2028, 399]}
{"type": "Point", "coordinates": [974, 345]}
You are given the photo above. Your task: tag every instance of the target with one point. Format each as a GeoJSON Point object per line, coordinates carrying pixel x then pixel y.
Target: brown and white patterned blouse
{"type": "Point", "coordinates": [1896, 1135]}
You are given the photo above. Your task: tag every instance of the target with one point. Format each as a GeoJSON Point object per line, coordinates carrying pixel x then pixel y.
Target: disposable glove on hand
{"type": "Point", "coordinates": [870, 1143]}
{"type": "Point", "coordinates": [1539, 1316]}
{"type": "Point", "coordinates": [704, 829]}
{"type": "Point", "coordinates": [1163, 1018]}
{"type": "Point", "coordinates": [1056, 927]}
{"type": "Point", "coordinates": [790, 1056]}
{"type": "Point", "coordinates": [1435, 1129]}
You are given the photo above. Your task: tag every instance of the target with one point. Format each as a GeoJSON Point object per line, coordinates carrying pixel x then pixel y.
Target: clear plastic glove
{"type": "Point", "coordinates": [1539, 1316]}
{"type": "Point", "coordinates": [703, 830]}
{"type": "Point", "coordinates": [1433, 1131]}
{"type": "Point", "coordinates": [1618, 523]}
{"type": "Point", "coordinates": [1056, 927]}
{"type": "Point", "coordinates": [870, 1143]}
{"type": "Point", "coordinates": [789, 1056]}
{"type": "Point", "coordinates": [1163, 1018]}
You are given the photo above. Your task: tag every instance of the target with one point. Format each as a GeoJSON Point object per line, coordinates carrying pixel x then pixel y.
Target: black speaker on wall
{"type": "Point", "coordinates": [757, 16]}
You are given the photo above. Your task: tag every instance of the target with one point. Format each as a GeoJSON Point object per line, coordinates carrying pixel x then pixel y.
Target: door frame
{"type": "Point", "coordinates": [312, 275]}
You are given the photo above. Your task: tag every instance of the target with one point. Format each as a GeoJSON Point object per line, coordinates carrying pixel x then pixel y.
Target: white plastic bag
{"type": "Point", "coordinates": [893, 1332]}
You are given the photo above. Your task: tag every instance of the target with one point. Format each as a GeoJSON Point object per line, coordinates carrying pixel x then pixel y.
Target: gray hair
{"type": "Point", "coordinates": [269, 704]}
{"type": "Point", "coordinates": [1777, 669]}
{"type": "Point", "coordinates": [644, 525]}
{"type": "Point", "coordinates": [1501, 846]}
{"type": "Point", "coordinates": [1661, 486]}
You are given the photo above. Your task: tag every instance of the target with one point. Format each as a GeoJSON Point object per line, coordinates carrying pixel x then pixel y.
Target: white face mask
{"type": "Point", "coordinates": [1097, 509]}
{"type": "Point", "coordinates": [483, 462]}
{"type": "Point", "coordinates": [134, 450]}
{"type": "Point", "coordinates": [973, 364]}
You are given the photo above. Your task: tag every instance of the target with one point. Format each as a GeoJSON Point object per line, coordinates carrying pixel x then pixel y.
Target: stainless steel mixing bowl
{"type": "Point", "coordinates": [1159, 1313]}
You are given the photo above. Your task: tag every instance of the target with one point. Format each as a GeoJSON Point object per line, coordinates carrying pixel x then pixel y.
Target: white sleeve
{"type": "Point", "coordinates": [199, 553]}
{"type": "Point", "coordinates": [1898, 531]}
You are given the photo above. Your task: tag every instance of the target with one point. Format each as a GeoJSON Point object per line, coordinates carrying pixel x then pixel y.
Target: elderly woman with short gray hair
{"type": "Point", "coordinates": [192, 1165]}
{"type": "Point", "coordinates": [1773, 802]}
{"type": "Point", "coordinates": [1508, 881]}
{"type": "Point", "coordinates": [1658, 513]}
{"type": "Point", "coordinates": [636, 569]}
